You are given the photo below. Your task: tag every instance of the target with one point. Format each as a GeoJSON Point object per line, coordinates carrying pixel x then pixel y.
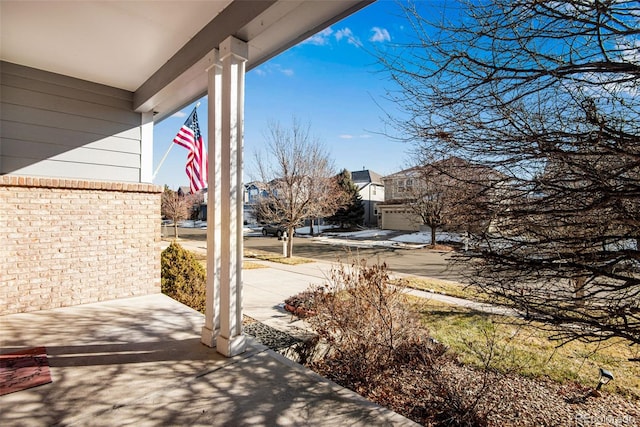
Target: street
{"type": "Point", "coordinates": [419, 262]}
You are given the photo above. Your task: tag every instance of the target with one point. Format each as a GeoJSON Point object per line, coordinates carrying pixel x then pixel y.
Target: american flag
{"type": "Point", "coordinates": [197, 163]}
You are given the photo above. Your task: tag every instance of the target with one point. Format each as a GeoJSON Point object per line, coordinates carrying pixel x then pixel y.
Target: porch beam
{"type": "Point", "coordinates": [154, 91]}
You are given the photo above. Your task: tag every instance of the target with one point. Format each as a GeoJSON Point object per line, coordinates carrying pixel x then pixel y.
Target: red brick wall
{"type": "Point", "coordinates": [65, 242]}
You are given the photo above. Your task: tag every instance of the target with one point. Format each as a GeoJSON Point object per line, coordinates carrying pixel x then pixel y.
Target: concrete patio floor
{"type": "Point", "coordinates": [138, 361]}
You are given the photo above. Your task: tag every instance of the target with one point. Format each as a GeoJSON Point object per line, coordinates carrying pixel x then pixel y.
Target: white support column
{"type": "Point", "coordinates": [233, 55]}
{"type": "Point", "coordinates": [211, 326]}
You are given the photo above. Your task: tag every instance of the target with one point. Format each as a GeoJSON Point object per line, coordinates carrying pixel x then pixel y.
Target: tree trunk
{"type": "Point", "coordinates": [175, 230]}
{"type": "Point", "coordinates": [311, 227]}
{"type": "Point", "coordinates": [578, 286]}
{"type": "Point", "coordinates": [289, 242]}
{"type": "Point", "coordinates": [433, 235]}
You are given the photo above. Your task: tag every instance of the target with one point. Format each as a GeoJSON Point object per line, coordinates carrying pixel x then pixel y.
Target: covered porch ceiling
{"type": "Point", "coordinates": [159, 50]}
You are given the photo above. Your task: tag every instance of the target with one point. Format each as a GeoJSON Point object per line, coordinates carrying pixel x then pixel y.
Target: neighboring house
{"type": "Point", "coordinates": [200, 206]}
{"type": "Point", "coordinates": [371, 189]}
{"type": "Point", "coordinates": [413, 195]}
{"type": "Point", "coordinates": [394, 212]}
{"type": "Point", "coordinates": [184, 190]}
{"type": "Point", "coordinates": [252, 193]}
{"type": "Point", "coordinates": [79, 216]}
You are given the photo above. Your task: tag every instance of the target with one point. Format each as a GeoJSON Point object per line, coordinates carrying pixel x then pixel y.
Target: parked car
{"type": "Point", "coordinates": [277, 230]}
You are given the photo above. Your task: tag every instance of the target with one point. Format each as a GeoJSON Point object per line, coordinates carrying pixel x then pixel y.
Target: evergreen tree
{"type": "Point", "coordinates": [351, 213]}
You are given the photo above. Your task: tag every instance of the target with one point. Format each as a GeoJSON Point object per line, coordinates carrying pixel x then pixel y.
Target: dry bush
{"type": "Point", "coordinates": [364, 321]}
{"type": "Point", "coordinates": [377, 346]}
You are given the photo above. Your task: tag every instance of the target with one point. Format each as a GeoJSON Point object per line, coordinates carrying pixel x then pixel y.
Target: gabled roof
{"type": "Point", "coordinates": [257, 184]}
{"type": "Point", "coordinates": [184, 189]}
{"type": "Point", "coordinates": [159, 50]}
{"type": "Point", "coordinates": [366, 176]}
{"type": "Point", "coordinates": [450, 165]}
{"type": "Point", "coordinates": [412, 171]}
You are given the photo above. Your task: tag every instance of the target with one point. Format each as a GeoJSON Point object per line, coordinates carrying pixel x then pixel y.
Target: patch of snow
{"type": "Point", "coordinates": [329, 240]}
{"type": "Point", "coordinates": [362, 234]}
{"type": "Point", "coordinates": [425, 237]}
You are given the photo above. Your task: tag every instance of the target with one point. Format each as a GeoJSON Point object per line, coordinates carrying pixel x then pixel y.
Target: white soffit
{"type": "Point", "coordinates": [116, 43]}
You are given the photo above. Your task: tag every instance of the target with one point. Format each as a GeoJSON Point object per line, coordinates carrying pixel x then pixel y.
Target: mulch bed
{"type": "Point", "coordinates": [508, 400]}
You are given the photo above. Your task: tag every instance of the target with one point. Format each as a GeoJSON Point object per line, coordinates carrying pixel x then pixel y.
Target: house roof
{"type": "Point", "coordinates": [366, 176]}
{"type": "Point", "coordinates": [413, 171]}
{"type": "Point", "coordinates": [184, 189]}
{"type": "Point", "coordinates": [257, 184]}
{"type": "Point", "coordinates": [159, 50]}
{"type": "Point", "coordinates": [448, 165]}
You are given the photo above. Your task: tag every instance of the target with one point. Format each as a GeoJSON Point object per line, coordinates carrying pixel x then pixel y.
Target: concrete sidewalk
{"type": "Point", "coordinates": [265, 290]}
{"type": "Point", "coordinates": [139, 361]}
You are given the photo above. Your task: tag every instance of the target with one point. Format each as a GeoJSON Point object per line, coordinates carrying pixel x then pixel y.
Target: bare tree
{"type": "Point", "coordinates": [300, 178]}
{"type": "Point", "coordinates": [545, 92]}
{"type": "Point", "coordinates": [448, 194]}
{"type": "Point", "coordinates": [177, 207]}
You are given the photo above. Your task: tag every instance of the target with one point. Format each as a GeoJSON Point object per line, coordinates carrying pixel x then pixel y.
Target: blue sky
{"type": "Point", "coordinates": [331, 81]}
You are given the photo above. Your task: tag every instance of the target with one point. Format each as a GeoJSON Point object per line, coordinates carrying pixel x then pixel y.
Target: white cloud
{"type": "Point", "coordinates": [268, 69]}
{"type": "Point", "coordinates": [179, 114]}
{"type": "Point", "coordinates": [349, 136]}
{"type": "Point", "coordinates": [346, 33]}
{"type": "Point", "coordinates": [321, 38]}
{"type": "Point", "coordinates": [380, 35]}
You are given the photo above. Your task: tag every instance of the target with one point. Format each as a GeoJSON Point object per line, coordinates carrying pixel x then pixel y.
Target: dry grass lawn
{"type": "Point", "coordinates": [270, 256]}
{"type": "Point", "coordinates": [246, 265]}
{"type": "Point", "coordinates": [525, 348]}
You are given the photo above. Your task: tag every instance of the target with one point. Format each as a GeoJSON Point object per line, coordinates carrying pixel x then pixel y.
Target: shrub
{"type": "Point", "coordinates": [377, 346]}
{"type": "Point", "coordinates": [182, 277]}
{"type": "Point", "coordinates": [301, 304]}
{"type": "Point", "coordinates": [365, 321]}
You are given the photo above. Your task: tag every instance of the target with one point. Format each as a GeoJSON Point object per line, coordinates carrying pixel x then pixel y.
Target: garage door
{"type": "Point", "coordinates": [399, 219]}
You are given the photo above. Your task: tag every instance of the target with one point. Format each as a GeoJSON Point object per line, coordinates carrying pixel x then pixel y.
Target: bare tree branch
{"type": "Point", "coordinates": [178, 207]}
{"type": "Point", "coordinates": [300, 177]}
{"type": "Point", "coordinates": [546, 93]}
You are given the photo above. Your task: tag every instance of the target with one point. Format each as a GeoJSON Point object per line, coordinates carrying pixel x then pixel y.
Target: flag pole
{"type": "Point", "coordinates": [162, 161]}
{"type": "Point", "coordinates": [165, 155]}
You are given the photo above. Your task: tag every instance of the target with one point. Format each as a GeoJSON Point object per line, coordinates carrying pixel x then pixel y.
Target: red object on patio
{"type": "Point", "coordinates": [23, 369]}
